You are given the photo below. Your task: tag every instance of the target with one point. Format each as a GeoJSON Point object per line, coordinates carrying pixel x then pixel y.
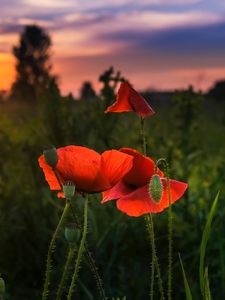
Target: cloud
{"type": "Point", "coordinates": [53, 4]}
{"type": "Point", "coordinates": [128, 32]}
{"type": "Point", "coordinates": [133, 3]}
{"type": "Point", "coordinates": [203, 40]}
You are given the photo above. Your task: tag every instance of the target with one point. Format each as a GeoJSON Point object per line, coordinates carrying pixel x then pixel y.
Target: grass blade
{"type": "Point", "coordinates": [206, 286]}
{"type": "Point", "coordinates": [186, 285]}
{"type": "Point", "coordinates": [205, 238]}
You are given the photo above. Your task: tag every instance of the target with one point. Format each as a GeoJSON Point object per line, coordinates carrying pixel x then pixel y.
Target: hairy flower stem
{"type": "Point", "coordinates": [143, 136]}
{"type": "Point", "coordinates": [150, 228]}
{"type": "Point", "coordinates": [51, 250]}
{"type": "Point", "coordinates": [170, 229]}
{"type": "Point", "coordinates": [152, 279]}
{"type": "Point", "coordinates": [80, 251]}
{"type": "Point", "coordinates": [91, 261]}
{"type": "Point", "coordinates": [66, 270]}
{"type": "Point", "coordinates": [170, 237]}
{"type": "Point", "coordinates": [94, 270]}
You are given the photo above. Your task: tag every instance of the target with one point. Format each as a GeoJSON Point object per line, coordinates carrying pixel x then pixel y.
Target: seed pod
{"type": "Point", "coordinates": [72, 233]}
{"type": "Point", "coordinates": [51, 156]}
{"type": "Point", "coordinates": [155, 188]}
{"type": "Point", "coordinates": [68, 189]}
{"type": "Point", "coordinates": [2, 286]}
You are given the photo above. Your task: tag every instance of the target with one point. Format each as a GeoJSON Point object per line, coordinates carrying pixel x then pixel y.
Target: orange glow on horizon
{"type": "Point", "coordinates": [7, 70]}
{"type": "Point", "coordinates": [74, 73]}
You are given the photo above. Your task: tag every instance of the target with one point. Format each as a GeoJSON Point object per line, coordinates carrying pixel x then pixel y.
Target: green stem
{"type": "Point", "coordinates": [63, 280]}
{"type": "Point", "coordinates": [91, 262]}
{"type": "Point", "coordinates": [152, 280]}
{"type": "Point", "coordinates": [80, 251]}
{"type": "Point", "coordinates": [170, 228]}
{"type": "Point", "coordinates": [150, 228]}
{"type": "Point", "coordinates": [50, 251]}
{"type": "Point", "coordinates": [170, 236]}
{"type": "Point", "coordinates": [87, 253]}
{"type": "Point", "coordinates": [96, 274]}
{"type": "Point", "coordinates": [143, 136]}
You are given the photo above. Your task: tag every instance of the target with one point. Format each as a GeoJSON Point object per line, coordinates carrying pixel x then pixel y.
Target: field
{"type": "Point", "coordinates": [188, 130]}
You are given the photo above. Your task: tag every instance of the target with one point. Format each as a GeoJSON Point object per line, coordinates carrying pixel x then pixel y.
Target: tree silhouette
{"type": "Point", "coordinates": [217, 92]}
{"type": "Point", "coordinates": [33, 66]}
{"type": "Point", "coordinates": [110, 80]}
{"type": "Point", "coordinates": [87, 92]}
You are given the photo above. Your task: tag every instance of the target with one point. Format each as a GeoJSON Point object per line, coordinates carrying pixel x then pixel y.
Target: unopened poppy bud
{"type": "Point", "coordinates": [68, 189]}
{"type": "Point", "coordinates": [2, 286]}
{"type": "Point", "coordinates": [155, 188]}
{"type": "Point", "coordinates": [72, 233]}
{"type": "Point", "coordinates": [51, 156]}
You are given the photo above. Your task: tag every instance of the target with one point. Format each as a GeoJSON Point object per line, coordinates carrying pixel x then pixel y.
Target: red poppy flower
{"type": "Point", "coordinates": [87, 169]}
{"type": "Point", "coordinates": [130, 100]}
{"type": "Point", "coordinates": [132, 191]}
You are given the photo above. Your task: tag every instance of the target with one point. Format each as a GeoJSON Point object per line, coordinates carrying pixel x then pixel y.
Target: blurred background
{"type": "Point", "coordinates": [61, 63]}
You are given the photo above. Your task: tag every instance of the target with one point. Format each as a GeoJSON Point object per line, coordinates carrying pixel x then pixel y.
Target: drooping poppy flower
{"type": "Point", "coordinates": [130, 100]}
{"type": "Point", "coordinates": [88, 170]}
{"type": "Point", "coordinates": [132, 191]}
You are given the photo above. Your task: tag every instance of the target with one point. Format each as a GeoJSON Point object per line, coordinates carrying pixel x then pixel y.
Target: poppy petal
{"type": "Point", "coordinates": [49, 174]}
{"type": "Point", "coordinates": [139, 104]}
{"type": "Point", "coordinates": [122, 103]}
{"type": "Point", "coordinates": [139, 201]}
{"type": "Point", "coordinates": [60, 195]}
{"type": "Point", "coordinates": [177, 190]}
{"type": "Point", "coordinates": [115, 165]}
{"type": "Point", "coordinates": [130, 100]}
{"type": "Point", "coordinates": [119, 190]}
{"type": "Point", "coordinates": [142, 169]}
{"type": "Point", "coordinates": [78, 164]}
{"type": "Point", "coordinates": [82, 166]}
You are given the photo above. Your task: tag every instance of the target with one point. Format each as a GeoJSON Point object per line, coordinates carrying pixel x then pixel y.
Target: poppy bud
{"type": "Point", "coordinates": [68, 189]}
{"type": "Point", "coordinates": [2, 286]}
{"type": "Point", "coordinates": [51, 156]}
{"type": "Point", "coordinates": [72, 233]}
{"type": "Point", "coordinates": [155, 188]}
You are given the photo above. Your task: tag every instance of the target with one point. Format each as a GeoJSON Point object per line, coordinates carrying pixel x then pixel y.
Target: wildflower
{"type": "Point", "coordinates": [130, 100]}
{"type": "Point", "coordinates": [132, 191]}
{"type": "Point", "coordinates": [88, 170]}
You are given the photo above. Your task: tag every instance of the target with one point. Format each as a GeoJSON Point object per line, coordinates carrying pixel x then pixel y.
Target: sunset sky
{"type": "Point", "coordinates": [160, 44]}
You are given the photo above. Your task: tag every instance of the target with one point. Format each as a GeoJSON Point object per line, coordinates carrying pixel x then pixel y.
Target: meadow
{"type": "Point", "coordinates": [188, 129]}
